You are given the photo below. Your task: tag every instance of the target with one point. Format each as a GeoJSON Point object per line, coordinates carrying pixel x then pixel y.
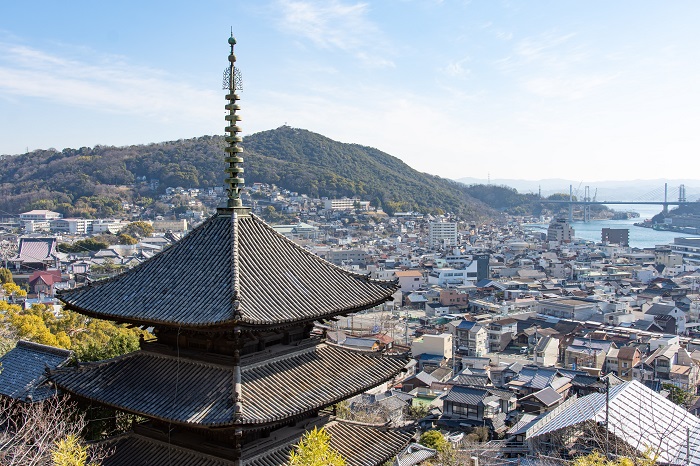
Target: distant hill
{"type": "Point", "coordinates": [623, 190]}
{"type": "Point", "coordinates": [96, 180]}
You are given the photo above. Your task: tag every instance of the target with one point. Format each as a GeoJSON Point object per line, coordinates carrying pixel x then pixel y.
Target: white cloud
{"type": "Point", "coordinates": [456, 69]}
{"type": "Point", "coordinates": [109, 85]}
{"type": "Point", "coordinates": [336, 25]}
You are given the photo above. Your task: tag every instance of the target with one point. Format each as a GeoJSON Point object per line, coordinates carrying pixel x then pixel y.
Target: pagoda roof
{"type": "Point", "coordinates": [358, 444]}
{"type": "Point", "coordinates": [233, 269]}
{"type": "Point", "coordinates": [172, 388]}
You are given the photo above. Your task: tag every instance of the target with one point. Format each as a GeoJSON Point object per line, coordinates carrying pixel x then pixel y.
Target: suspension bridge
{"type": "Point", "coordinates": [658, 196]}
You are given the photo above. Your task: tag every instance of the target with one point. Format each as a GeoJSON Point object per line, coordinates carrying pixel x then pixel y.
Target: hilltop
{"type": "Point", "coordinates": [96, 181]}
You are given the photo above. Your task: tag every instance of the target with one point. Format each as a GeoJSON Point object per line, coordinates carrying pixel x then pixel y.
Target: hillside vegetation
{"type": "Point", "coordinates": [95, 181]}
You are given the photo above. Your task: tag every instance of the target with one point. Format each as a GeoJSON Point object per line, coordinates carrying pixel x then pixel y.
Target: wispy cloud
{"type": "Point", "coordinates": [335, 25]}
{"type": "Point", "coordinates": [109, 84]}
{"type": "Point", "coordinates": [457, 69]}
{"type": "Point", "coordinates": [555, 65]}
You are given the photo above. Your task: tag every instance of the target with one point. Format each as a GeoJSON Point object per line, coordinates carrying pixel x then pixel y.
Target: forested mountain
{"type": "Point", "coordinates": [95, 181]}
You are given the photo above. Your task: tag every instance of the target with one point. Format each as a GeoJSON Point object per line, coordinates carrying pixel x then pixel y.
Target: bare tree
{"type": "Point", "coordinates": [29, 432]}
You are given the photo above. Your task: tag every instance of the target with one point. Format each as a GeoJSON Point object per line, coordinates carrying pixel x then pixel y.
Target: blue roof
{"type": "Point", "coordinates": [23, 374]}
{"type": "Point", "coordinates": [466, 324]}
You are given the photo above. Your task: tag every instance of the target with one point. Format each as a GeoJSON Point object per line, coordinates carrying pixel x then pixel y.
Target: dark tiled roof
{"type": "Point", "coordinates": [478, 380]}
{"type": "Point", "coordinates": [23, 370]}
{"type": "Point", "coordinates": [466, 395]}
{"type": "Point", "coordinates": [165, 387]}
{"type": "Point", "coordinates": [223, 266]}
{"type": "Point", "coordinates": [360, 445]}
{"type": "Point", "coordinates": [136, 450]}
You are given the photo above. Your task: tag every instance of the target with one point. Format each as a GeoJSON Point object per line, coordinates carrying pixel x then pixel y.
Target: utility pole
{"type": "Point", "coordinates": [607, 418]}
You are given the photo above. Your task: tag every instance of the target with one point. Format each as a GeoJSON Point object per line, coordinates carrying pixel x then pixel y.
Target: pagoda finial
{"type": "Point", "coordinates": [234, 180]}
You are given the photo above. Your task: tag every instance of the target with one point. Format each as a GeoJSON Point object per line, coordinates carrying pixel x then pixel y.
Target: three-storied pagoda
{"type": "Point", "coordinates": [235, 375]}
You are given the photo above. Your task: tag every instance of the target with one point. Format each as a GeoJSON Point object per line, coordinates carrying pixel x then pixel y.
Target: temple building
{"type": "Point", "coordinates": [236, 373]}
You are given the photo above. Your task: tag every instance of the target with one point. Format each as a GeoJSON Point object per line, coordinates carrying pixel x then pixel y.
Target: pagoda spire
{"type": "Point", "coordinates": [234, 171]}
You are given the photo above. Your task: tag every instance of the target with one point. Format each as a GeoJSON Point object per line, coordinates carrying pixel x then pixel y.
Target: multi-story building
{"type": "Point", "coordinates": [40, 215]}
{"type": "Point", "coordinates": [619, 236]}
{"type": "Point", "coordinates": [442, 234]}
{"type": "Point", "coordinates": [453, 277]}
{"type": "Point", "coordinates": [73, 226]}
{"type": "Point", "coordinates": [501, 333]}
{"type": "Point", "coordinates": [437, 345]}
{"type": "Point", "coordinates": [345, 204]}
{"type": "Point", "coordinates": [688, 248]}
{"type": "Point", "coordinates": [560, 231]}
{"type": "Point", "coordinates": [345, 257]}
{"type": "Point", "coordinates": [568, 308]}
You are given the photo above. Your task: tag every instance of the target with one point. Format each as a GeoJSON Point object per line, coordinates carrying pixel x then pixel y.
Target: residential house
{"type": "Point", "coordinates": [531, 379]}
{"type": "Point", "coordinates": [546, 352]}
{"type": "Point", "coordinates": [477, 338]}
{"type": "Point", "coordinates": [541, 401]}
{"type": "Point", "coordinates": [668, 317]}
{"type": "Point", "coordinates": [479, 406]}
{"type": "Point", "coordinates": [586, 352]}
{"type": "Point", "coordinates": [409, 280]}
{"type": "Point", "coordinates": [44, 282]}
{"type": "Point", "coordinates": [627, 358]}
{"type": "Point", "coordinates": [501, 333]}
{"type": "Point", "coordinates": [571, 308]}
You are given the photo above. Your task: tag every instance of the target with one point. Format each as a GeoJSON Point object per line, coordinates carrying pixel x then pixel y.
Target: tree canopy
{"type": "Point", "coordinates": [91, 339]}
{"type": "Point", "coordinates": [314, 449]}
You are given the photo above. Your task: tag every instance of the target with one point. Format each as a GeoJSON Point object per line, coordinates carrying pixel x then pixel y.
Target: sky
{"type": "Point", "coordinates": [532, 89]}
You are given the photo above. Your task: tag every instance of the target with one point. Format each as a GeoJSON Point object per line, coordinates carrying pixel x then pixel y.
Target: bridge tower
{"type": "Point", "coordinates": [587, 204]}
{"type": "Point", "coordinates": [665, 209]}
{"type": "Point", "coordinates": [681, 193]}
{"type": "Point", "coordinates": [571, 203]}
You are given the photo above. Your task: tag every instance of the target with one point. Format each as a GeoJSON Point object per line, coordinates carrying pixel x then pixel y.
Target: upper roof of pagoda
{"type": "Point", "coordinates": [234, 269]}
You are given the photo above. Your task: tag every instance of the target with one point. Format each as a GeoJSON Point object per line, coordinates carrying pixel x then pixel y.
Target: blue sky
{"type": "Point", "coordinates": [590, 90]}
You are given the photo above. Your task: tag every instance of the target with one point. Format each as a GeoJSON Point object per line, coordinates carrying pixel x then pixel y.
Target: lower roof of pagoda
{"type": "Point", "coordinates": [198, 393]}
{"type": "Point", "coordinates": [358, 444]}
{"type": "Point", "coordinates": [231, 270]}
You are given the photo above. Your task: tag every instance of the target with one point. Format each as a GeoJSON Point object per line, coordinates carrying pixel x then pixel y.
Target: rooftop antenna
{"type": "Point", "coordinates": [234, 171]}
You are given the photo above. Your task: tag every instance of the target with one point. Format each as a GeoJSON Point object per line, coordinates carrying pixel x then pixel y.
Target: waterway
{"type": "Point", "coordinates": [639, 237]}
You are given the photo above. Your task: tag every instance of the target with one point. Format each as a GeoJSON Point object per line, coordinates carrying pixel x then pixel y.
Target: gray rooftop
{"type": "Point", "coordinates": [23, 370]}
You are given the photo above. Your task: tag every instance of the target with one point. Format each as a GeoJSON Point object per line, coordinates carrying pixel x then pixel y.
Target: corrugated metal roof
{"type": "Point", "coordinates": [23, 370]}
{"type": "Point", "coordinates": [278, 282]}
{"type": "Point", "coordinates": [638, 416]}
{"type": "Point", "coordinates": [172, 389]}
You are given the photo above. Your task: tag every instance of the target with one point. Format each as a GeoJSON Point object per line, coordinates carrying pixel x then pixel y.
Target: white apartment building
{"type": "Point", "coordinates": [439, 345]}
{"type": "Point", "coordinates": [446, 277]}
{"type": "Point", "coordinates": [73, 226]}
{"type": "Point", "coordinates": [42, 215]}
{"type": "Point", "coordinates": [345, 204]}
{"type": "Point", "coordinates": [560, 231]}
{"type": "Point", "coordinates": [37, 220]}
{"type": "Point", "coordinates": [442, 234]}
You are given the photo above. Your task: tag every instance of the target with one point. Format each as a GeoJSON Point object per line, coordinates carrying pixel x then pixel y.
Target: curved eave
{"type": "Point", "coordinates": [148, 322]}
{"type": "Point", "coordinates": [319, 372]}
{"type": "Point", "coordinates": [249, 324]}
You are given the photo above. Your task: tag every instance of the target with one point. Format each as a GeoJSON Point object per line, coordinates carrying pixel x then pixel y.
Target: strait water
{"type": "Point", "coordinates": [639, 237]}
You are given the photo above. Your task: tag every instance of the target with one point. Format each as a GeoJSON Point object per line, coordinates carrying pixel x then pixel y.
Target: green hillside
{"type": "Point", "coordinates": [94, 181]}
